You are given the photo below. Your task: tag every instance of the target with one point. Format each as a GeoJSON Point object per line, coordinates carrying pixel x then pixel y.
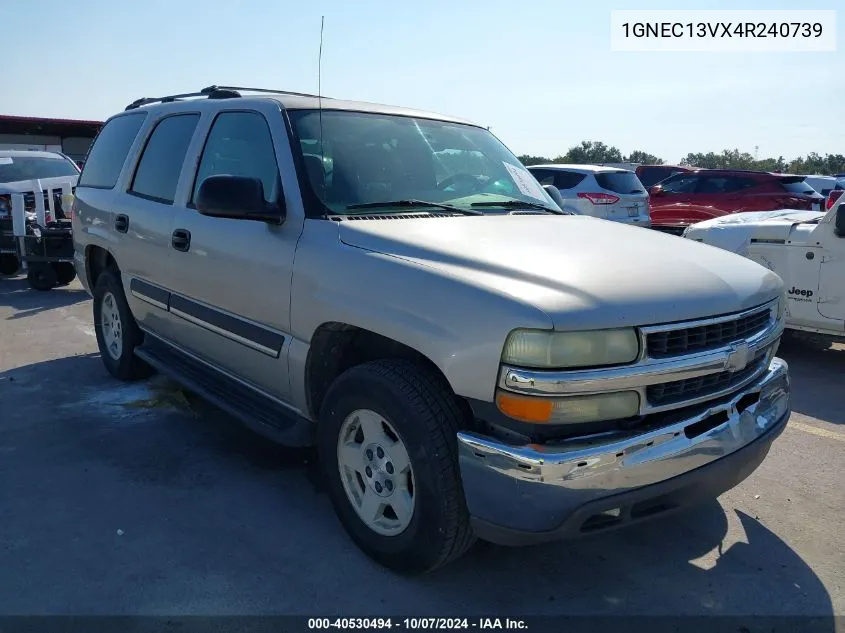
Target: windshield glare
{"type": "Point", "coordinates": [371, 158]}
{"type": "Point", "coordinates": [15, 168]}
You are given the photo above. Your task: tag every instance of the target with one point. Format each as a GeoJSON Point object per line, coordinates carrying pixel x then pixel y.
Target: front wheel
{"type": "Point", "coordinates": [65, 273]}
{"type": "Point", "coordinates": [387, 443]}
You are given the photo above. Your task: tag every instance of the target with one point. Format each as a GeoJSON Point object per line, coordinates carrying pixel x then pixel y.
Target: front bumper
{"type": "Point", "coordinates": [528, 494]}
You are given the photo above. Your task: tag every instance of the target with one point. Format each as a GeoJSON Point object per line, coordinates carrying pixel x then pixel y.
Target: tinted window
{"type": "Point", "coordinates": [544, 176]}
{"type": "Point", "coordinates": [107, 155]}
{"type": "Point", "coordinates": [619, 182]}
{"type": "Point", "coordinates": [239, 144]}
{"type": "Point", "coordinates": [161, 163]}
{"type": "Point", "coordinates": [681, 183]}
{"type": "Point", "coordinates": [724, 184]}
{"type": "Point", "coordinates": [14, 168]}
{"type": "Point", "coordinates": [799, 187]}
{"type": "Point", "coordinates": [652, 175]}
{"type": "Point", "coordinates": [568, 179]}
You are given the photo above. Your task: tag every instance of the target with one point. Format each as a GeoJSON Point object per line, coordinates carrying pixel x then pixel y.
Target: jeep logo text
{"type": "Point", "coordinates": [798, 291]}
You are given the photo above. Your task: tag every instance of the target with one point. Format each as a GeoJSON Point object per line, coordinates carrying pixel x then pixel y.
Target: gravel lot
{"type": "Point", "coordinates": [139, 499]}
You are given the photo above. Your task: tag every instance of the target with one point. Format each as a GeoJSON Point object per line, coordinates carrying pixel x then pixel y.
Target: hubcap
{"type": "Point", "coordinates": [112, 326]}
{"type": "Point", "coordinates": [376, 472]}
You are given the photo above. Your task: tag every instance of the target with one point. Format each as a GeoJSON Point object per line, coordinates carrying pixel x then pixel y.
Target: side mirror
{"type": "Point", "coordinates": [554, 194]}
{"type": "Point", "coordinates": [655, 190]}
{"type": "Point", "coordinates": [839, 226]}
{"type": "Point", "coordinates": [237, 198]}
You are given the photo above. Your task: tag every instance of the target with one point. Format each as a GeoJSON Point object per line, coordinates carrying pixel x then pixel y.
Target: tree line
{"type": "Point", "coordinates": [591, 152]}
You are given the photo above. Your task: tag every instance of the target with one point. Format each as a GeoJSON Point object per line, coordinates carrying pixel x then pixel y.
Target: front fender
{"type": "Point", "coordinates": [459, 325]}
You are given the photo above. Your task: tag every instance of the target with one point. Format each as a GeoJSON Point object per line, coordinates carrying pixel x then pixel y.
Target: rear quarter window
{"type": "Point", "coordinates": [619, 182]}
{"type": "Point", "coordinates": [108, 153]}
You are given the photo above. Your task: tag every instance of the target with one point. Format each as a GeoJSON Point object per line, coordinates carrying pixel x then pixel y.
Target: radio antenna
{"type": "Point", "coordinates": [320, 100]}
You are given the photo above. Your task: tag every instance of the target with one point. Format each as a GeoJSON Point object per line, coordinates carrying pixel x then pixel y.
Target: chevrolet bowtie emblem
{"type": "Point", "coordinates": [738, 357]}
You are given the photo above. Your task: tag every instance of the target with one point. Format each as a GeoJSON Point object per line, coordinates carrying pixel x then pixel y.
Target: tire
{"type": "Point", "coordinates": [41, 276]}
{"type": "Point", "coordinates": [118, 335]}
{"type": "Point", "coordinates": [9, 264]}
{"type": "Point", "coordinates": [422, 412]}
{"type": "Point", "coordinates": [65, 273]}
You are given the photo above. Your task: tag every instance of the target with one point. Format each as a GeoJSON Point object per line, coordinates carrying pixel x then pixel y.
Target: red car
{"type": "Point", "coordinates": [687, 198]}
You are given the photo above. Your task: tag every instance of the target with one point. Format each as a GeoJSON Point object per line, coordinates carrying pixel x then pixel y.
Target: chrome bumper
{"type": "Point", "coordinates": [523, 494]}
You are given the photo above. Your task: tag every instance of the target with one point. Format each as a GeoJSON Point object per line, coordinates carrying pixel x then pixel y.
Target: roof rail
{"type": "Point", "coordinates": [212, 92]}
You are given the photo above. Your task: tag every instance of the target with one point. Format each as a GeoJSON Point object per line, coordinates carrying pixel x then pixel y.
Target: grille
{"type": "Point", "coordinates": [29, 200]}
{"type": "Point", "coordinates": [692, 388]}
{"type": "Point", "coordinates": [705, 337]}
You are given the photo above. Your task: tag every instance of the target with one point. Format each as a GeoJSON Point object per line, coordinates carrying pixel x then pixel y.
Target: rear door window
{"type": "Point", "coordinates": [724, 184]}
{"type": "Point", "coordinates": [544, 176]}
{"type": "Point", "coordinates": [161, 163]}
{"type": "Point", "coordinates": [619, 182]}
{"type": "Point", "coordinates": [568, 179]}
{"type": "Point", "coordinates": [109, 151]}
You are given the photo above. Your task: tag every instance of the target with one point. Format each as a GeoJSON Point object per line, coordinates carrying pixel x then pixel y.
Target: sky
{"type": "Point", "coordinates": [540, 73]}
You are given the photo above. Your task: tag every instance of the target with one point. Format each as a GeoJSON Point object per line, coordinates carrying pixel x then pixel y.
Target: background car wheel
{"type": "Point", "coordinates": [117, 332]}
{"type": "Point", "coordinates": [9, 264]}
{"type": "Point", "coordinates": [387, 445]}
{"type": "Point", "coordinates": [65, 273]}
{"type": "Point", "coordinates": [41, 276]}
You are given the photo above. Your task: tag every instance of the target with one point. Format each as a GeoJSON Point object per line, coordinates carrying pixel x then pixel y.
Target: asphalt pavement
{"type": "Point", "coordinates": [141, 499]}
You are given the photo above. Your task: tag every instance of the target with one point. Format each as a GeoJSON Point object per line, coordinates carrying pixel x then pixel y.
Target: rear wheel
{"type": "Point", "coordinates": [117, 332]}
{"type": "Point", "coordinates": [41, 276]}
{"type": "Point", "coordinates": [65, 273]}
{"type": "Point", "coordinates": [387, 443]}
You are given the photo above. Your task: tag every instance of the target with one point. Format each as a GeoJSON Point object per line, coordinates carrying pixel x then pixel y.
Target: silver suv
{"type": "Point", "coordinates": [393, 287]}
{"type": "Point", "coordinates": [603, 192]}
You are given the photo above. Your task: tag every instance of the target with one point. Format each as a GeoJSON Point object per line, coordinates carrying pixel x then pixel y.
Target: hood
{"type": "Point", "coordinates": [28, 186]}
{"type": "Point", "coordinates": [579, 270]}
{"type": "Point", "coordinates": [735, 232]}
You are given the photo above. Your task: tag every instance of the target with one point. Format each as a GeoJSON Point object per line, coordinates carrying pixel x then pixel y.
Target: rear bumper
{"type": "Point", "coordinates": [520, 495]}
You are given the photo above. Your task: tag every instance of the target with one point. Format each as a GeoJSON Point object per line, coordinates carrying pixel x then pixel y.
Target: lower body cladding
{"type": "Point", "coordinates": [519, 495]}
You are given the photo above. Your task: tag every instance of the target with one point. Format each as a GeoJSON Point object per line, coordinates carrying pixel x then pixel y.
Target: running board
{"type": "Point", "coordinates": [259, 413]}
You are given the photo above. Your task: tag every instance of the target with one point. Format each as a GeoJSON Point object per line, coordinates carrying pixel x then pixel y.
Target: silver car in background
{"type": "Point", "coordinates": [602, 192]}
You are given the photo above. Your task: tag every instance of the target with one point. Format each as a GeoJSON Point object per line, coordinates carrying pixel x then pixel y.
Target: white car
{"type": "Point", "coordinates": [805, 248]}
{"type": "Point", "coordinates": [603, 192]}
{"type": "Point", "coordinates": [825, 184]}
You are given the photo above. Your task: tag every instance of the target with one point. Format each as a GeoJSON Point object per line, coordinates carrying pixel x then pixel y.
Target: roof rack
{"type": "Point", "coordinates": [213, 92]}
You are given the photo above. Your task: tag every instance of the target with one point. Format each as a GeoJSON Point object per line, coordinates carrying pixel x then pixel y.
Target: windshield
{"type": "Point", "coordinates": [379, 158]}
{"type": "Point", "coordinates": [649, 176]}
{"type": "Point", "coordinates": [14, 168]}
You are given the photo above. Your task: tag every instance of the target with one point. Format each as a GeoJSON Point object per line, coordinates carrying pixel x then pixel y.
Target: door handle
{"type": "Point", "coordinates": [121, 223]}
{"type": "Point", "coordinates": [181, 240]}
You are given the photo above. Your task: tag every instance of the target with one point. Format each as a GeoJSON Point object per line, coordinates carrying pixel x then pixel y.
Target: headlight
{"type": "Point", "coordinates": [569, 409]}
{"type": "Point", "coordinates": [542, 348]}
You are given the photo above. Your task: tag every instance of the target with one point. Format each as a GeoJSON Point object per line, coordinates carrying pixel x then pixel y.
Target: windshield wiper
{"type": "Point", "coordinates": [519, 204]}
{"type": "Point", "coordinates": [413, 204]}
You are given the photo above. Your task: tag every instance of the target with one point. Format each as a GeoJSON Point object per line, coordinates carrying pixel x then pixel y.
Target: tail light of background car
{"type": "Point", "coordinates": [600, 198]}
{"type": "Point", "coordinates": [832, 197]}
{"type": "Point", "coordinates": [5, 205]}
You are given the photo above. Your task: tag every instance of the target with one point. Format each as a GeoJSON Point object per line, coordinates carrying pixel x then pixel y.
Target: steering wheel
{"type": "Point", "coordinates": [455, 178]}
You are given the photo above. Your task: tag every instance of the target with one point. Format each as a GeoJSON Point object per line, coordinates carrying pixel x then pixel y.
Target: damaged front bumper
{"type": "Point", "coordinates": [527, 494]}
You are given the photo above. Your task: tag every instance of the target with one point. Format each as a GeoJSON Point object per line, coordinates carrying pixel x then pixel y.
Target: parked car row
{"type": "Point", "coordinates": [396, 288]}
{"type": "Point", "coordinates": [672, 197]}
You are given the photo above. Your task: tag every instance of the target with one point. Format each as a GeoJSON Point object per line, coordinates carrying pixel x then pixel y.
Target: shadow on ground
{"type": "Point", "coordinates": [817, 373]}
{"type": "Point", "coordinates": [215, 519]}
{"type": "Point", "coordinates": [16, 293]}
